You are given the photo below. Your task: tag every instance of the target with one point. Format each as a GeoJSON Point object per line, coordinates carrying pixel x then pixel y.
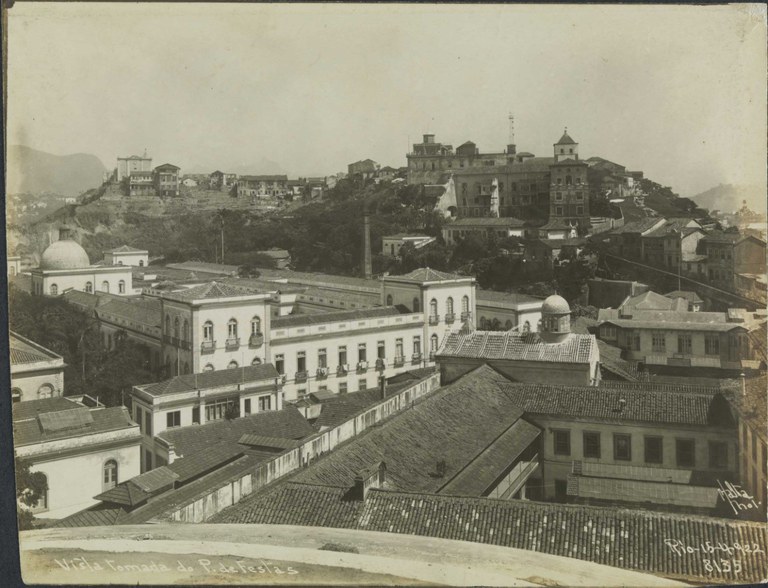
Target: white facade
{"type": "Point", "coordinates": [391, 245]}
{"type": "Point", "coordinates": [36, 372]}
{"type": "Point", "coordinates": [111, 279]}
{"type": "Point", "coordinates": [14, 266]}
{"type": "Point", "coordinates": [127, 256]}
{"type": "Point", "coordinates": [127, 165]}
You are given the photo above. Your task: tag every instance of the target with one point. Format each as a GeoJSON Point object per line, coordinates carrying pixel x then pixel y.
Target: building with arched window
{"type": "Point", "coordinates": [36, 372]}
{"type": "Point", "coordinates": [64, 265]}
{"type": "Point", "coordinates": [83, 451]}
{"type": "Point", "coordinates": [126, 255]}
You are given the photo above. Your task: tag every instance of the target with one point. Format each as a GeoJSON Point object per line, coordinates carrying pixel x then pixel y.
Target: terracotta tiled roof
{"type": "Point", "coordinates": [189, 382]}
{"type": "Point", "coordinates": [519, 346]}
{"type": "Point", "coordinates": [681, 320]}
{"type": "Point", "coordinates": [212, 290]}
{"type": "Point", "coordinates": [688, 295]}
{"type": "Point", "coordinates": [426, 274]}
{"type": "Point", "coordinates": [126, 249]}
{"type": "Point", "coordinates": [630, 539]}
{"type": "Point", "coordinates": [566, 140]}
{"type": "Point", "coordinates": [506, 297]}
{"type": "Point", "coordinates": [296, 504]}
{"type": "Point", "coordinates": [287, 423]}
{"type": "Point", "coordinates": [29, 409]}
{"type": "Point", "coordinates": [23, 351]}
{"type": "Point", "coordinates": [145, 311]}
{"type": "Point", "coordinates": [434, 429]}
{"type": "Point", "coordinates": [507, 221]}
{"type": "Point", "coordinates": [302, 320]}
{"type": "Point", "coordinates": [31, 430]}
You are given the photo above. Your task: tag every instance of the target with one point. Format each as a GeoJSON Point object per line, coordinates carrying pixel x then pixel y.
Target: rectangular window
{"type": "Point", "coordinates": [301, 361]}
{"type": "Point", "coordinates": [579, 210]}
{"type": "Point", "coordinates": [247, 406]}
{"type": "Point", "coordinates": [659, 341]}
{"type": "Point", "coordinates": [361, 384]}
{"type": "Point", "coordinates": [562, 442]}
{"type": "Point", "coordinates": [265, 403]}
{"type": "Point", "coordinates": [622, 447]}
{"type": "Point", "coordinates": [173, 419]}
{"type": "Point", "coordinates": [380, 350]}
{"type": "Point", "coordinates": [343, 355]}
{"type": "Point", "coordinates": [609, 331]}
{"type": "Point", "coordinates": [718, 455]}
{"type": "Point", "coordinates": [322, 358]}
{"type": "Point", "coordinates": [280, 363]}
{"type": "Point", "coordinates": [217, 409]}
{"type": "Point", "coordinates": [362, 354]}
{"type": "Point", "coordinates": [417, 345]}
{"type": "Point", "coordinates": [196, 415]}
{"type": "Point", "coordinates": [342, 387]}
{"type": "Point", "coordinates": [147, 459]}
{"type": "Point", "coordinates": [302, 393]}
{"type": "Point", "coordinates": [148, 423]}
{"type": "Point", "coordinates": [684, 343]}
{"type": "Point", "coordinates": [654, 450]}
{"type": "Point", "coordinates": [712, 344]}
{"type": "Point", "coordinates": [579, 196]}
{"type": "Point", "coordinates": [685, 450]}
{"type": "Point", "coordinates": [559, 210]}
{"type": "Point", "coordinates": [591, 444]}
{"type": "Point", "coordinates": [398, 348]}
{"type": "Point", "coordinates": [558, 196]}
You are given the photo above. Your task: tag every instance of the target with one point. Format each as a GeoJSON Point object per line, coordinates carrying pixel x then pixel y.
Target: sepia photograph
{"type": "Point", "coordinates": [409, 294]}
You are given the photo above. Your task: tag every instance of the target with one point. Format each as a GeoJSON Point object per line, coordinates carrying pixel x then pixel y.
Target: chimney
{"type": "Point", "coordinates": [383, 387]}
{"type": "Point", "coordinates": [368, 478]}
{"type": "Point", "coordinates": [367, 266]}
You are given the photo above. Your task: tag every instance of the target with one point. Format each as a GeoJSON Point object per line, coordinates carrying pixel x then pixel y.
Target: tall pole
{"type": "Point", "coordinates": [222, 239]}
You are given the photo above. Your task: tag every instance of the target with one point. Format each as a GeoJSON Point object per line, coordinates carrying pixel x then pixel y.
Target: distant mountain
{"type": "Point", "coordinates": [260, 167]}
{"type": "Point", "coordinates": [33, 171]}
{"type": "Point", "coordinates": [729, 198]}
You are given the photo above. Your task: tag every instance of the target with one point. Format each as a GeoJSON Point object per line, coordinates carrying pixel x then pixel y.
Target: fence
{"type": "Point", "coordinates": [235, 489]}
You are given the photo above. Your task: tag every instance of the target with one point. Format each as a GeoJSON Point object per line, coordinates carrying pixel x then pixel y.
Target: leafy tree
{"type": "Point", "coordinates": [30, 488]}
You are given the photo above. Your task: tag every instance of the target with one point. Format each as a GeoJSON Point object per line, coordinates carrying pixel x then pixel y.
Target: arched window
{"type": "Point", "coordinates": [416, 305]}
{"type": "Point", "coordinates": [390, 300]}
{"type": "Point", "coordinates": [465, 304]}
{"type": "Point", "coordinates": [185, 331]}
{"type": "Point", "coordinates": [232, 364]}
{"type": "Point", "coordinates": [208, 367]}
{"type": "Point", "coordinates": [256, 361]}
{"type": "Point", "coordinates": [89, 287]}
{"type": "Point", "coordinates": [54, 290]}
{"type": "Point", "coordinates": [105, 286]}
{"type": "Point", "coordinates": [141, 263]}
{"type": "Point", "coordinates": [433, 307]}
{"type": "Point", "coordinates": [433, 343]}
{"type": "Point", "coordinates": [176, 327]}
{"type": "Point", "coordinates": [110, 475]}
{"type": "Point", "coordinates": [232, 329]}
{"type": "Point", "coordinates": [449, 306]}
{"type": "Point", "coordinates": [119, 263]}
{"type": "Point", "coordinates": [208, 331]}
{"type": "Point", "coordinates": [527, 327]}
{"type": "Point", "coordinates": [121, 286]}
{"type": "Point", "coordinates": [256, 326]}
{"type": "Point", "coordinates": [45, 391]}
{"type": "Point", "coordinates": [168, 324]}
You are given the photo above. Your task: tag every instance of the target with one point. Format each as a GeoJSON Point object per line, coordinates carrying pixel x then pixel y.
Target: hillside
{"type": "Point", "coordinates": [33, 171]}
{"type": "Point", "coordinates": [729, 197]}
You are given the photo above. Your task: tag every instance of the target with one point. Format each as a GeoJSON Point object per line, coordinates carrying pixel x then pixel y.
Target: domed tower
{"type": "Point", "coordinates": [64, 254]}
{"type": "Point", "coordinates": [555, 319]}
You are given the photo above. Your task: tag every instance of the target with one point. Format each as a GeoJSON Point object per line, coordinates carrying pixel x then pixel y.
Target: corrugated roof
{"type": "Point", "coordinates": [509, 345]}
{"type": "Point", "coordinates": [204, 380]}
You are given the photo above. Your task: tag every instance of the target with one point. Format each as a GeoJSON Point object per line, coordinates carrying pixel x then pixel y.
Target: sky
{"type": "Point", "coordinates": [676, 91]}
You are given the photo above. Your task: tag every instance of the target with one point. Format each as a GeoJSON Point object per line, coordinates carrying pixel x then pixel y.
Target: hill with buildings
{"type": "Point", "coordinates": [729, 198]}
{"type": "Point", "coordinates": [33, 171]}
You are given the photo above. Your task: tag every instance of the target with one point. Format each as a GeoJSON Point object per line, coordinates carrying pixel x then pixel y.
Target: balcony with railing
{"type": "Point", "coordinates": [399, 361]}
{"type": "Point", "coordinates": [362, 366]}
{"type": "Point", "coordinates": [322, 373]}
{"type": "Point", "coordinates": [434, 320]}
{"type": "Point", "coordinates": [466, 315]}
{"type": "Point", "coordinates": [208, 346]}
{"type": "Point", "coordinates": [431, 356]}
{"type": "Point", "coordinates": [232, 343]}
{"type": "Point", "coordinates": [256, 340]}
{"type": "Point", "coordinates": [342, 369]}
{"type": "Point", "coordinates": [381, 363]}
{"type": "Point", "coordinates": [416, 358]}
{"type": "Point", "coordinates": [449, 318]}
{"type": "Point", "coordinates": [301, 376]}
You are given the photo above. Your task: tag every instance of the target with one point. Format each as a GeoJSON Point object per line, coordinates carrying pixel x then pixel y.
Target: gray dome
{"type": "Point", "coordinates": [555, 305]}
{"type": "Point", "coordinates": [64, 254]}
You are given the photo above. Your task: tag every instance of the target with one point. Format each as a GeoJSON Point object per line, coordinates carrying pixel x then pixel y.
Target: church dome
{"type": "Point", "coordinates": [555, 305]}
{"type": "Point", "coordinates": [64, 254]}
